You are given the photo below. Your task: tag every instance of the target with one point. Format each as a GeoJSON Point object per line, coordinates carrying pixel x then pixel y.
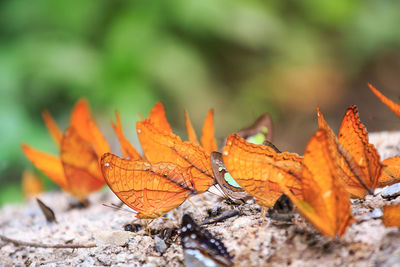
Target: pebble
{"type": "Point", "coordinates": [376, 214]}
{"type": "Point", "coordinates": [391, 192]}
{"type": "Point", "coordinates": [117, 238]}
{"type": "Point", "coordinates": [160, 244]}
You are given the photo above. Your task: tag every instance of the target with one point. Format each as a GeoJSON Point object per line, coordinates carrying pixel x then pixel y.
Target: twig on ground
{"type": "Point", "coordinates": [40, 245]}
{"type": "Point", "coordinates": [221, 217]}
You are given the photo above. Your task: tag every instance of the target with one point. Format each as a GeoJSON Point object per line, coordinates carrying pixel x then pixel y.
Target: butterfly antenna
{"type": "Point", "coordinates": [168, 219]}
{"type": "Point", "coordinates": [148, 222]}
{"type": "Point", "coordinates": [219, 190]}
{"type": "Point", "coordinates": [194, 206]}
{"type": "Point", "coordinates": [119, 208]}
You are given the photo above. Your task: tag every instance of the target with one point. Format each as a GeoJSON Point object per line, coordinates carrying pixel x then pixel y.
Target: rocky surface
{"type": "Point", "coordinates": [254, 240]}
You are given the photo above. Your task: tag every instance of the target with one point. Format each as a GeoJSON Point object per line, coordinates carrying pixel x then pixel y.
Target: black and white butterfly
{"type": "Point", "coordinates": [200, 248]}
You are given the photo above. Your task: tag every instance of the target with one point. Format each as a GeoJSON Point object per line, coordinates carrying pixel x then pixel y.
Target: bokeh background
{"type": "Point", "coordinates": [241, 58]}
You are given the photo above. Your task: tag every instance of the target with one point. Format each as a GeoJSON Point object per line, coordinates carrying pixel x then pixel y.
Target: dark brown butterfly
{"type": "Point", "coordinates": [228, 186]}
{"type": "Point", "coordinates": [200, 248]}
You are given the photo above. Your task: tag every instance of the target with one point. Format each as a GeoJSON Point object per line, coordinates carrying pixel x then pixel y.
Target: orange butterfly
{"type": "Point", "coordinates": [391, 215]}
{"type": "Point", "coordinates": [77, 170]}
{"type": "Point", "coordinates": [325, 201]}
{"type": "Point", "coordinates": [359, 159]}
{"type": "Point", "coordinates": [258, 168]}
{"type": "Point", "coordinates": [165, 176]}
{"type": "Point", "coordinates": [151, 189]}
{"type": "Point", "coordinates": [159, 144]}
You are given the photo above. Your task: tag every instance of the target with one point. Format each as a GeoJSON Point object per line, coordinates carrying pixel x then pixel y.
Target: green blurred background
{"type": "Point", "coordinates": [241, 58]}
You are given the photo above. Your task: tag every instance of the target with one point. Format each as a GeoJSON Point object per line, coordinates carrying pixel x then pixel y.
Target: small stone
{"type": "Point", "coordinates": [160, 245]}
{"type": "Point", "coordinates": [376, 213]}
{"type": "Point", "coordinates": [391, 192]}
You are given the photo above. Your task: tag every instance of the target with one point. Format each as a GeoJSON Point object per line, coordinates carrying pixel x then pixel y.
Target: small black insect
{"type": "Point", "coordinates": [200, 248]}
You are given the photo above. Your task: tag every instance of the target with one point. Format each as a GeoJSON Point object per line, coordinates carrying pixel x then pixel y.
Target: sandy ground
{"type": "Point", "coordinates": [254, 240]}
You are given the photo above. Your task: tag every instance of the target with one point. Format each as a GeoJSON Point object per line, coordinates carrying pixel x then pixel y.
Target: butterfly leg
{"type": "Point", "coordinates": [194, 206]}
{"type": "Point", "coordinates": [148, 230]}
{"type": "Point", "coordinates": [168, 219]}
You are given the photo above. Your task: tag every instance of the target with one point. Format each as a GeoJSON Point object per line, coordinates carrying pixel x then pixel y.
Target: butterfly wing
{"type": "Point", "coordinates": [128, 150]}
{"type": "Point", "coordinates": [162, 146]}
{"type": "Point", "coordinates": [81, 164]}
{"type": "Point", "coordinates": [50, 165]}
{"type": "Point", "coordinates": [32, 185]}
{"type": "Point", "coordinates": [389, 103]}
{"type": "Point", "coordinates": [325, 201]}
{"type": "Point", "coordinates": [52, 127]}
{"type": "Point", "coordinates": [149, 189]}
{"type": "Point", "coordinates": [189, 129]}
{"type": "Point", "coordinates": [200, 248]}
{"type": "Point", "coordinates": [391, 215]}
{"type": "Point", "coordinates": [257, 169]}
{"type": "Point", "coordinates": [83, 122]}
{"type": "Point", "coordinates": [353, 137]}
{"type": "Point", "coordinates": [390, 172]}
{"type": "Point", "coordinates": [262, 126]}
{"type": "Point", "coordinates": [208, 141]}
{"type": "Point", "coordinates": [232, 191]}
{"type": "Point", "coordinates": [158, 117]}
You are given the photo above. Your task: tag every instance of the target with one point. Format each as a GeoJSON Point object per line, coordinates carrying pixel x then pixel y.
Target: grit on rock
{"type": "Point", "coordinates": [253, 240]}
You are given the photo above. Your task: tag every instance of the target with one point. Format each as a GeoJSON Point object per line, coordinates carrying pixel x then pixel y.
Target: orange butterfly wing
{"type": "Point", "coordinates": [189, 129]}
{"type": "Point", "coordinates": [389, 103]}
{"type": "Point", "coordinates": [353, 137]}
{"type": "Point", "coordinates": [81, 165]}
{"type": "Point", "coordinates": [84, 124]}
{"type": "Point", "coordinates": [31, 184]}
{"type": "Point", "coordinates": [50, 165]}
{"type": "Point", "coordinates": [258, 168]}
{"type": "Point", "coordinates": [325, 201]}
{"type": "Point", "coordinates": [128, 150]}
{"type": "Point", "coordinates": [354, 152]}
{"type": "Point", "coordinates": [158, 117]}
{"type": "Point", "coordinates": [391, 172]}
{"type": "Point", "coordinates": [208, 141]}
{"type": "Point", "coordinates": [151, 189]}
{"type": "Point", "coordinates": [391, 215]}
{"type": "Point", "coordinates": [162, 146]}
{"type": "Point", "coordinates": [52, 127]}
{"type": "Point", "coordinates": [324, 125]}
